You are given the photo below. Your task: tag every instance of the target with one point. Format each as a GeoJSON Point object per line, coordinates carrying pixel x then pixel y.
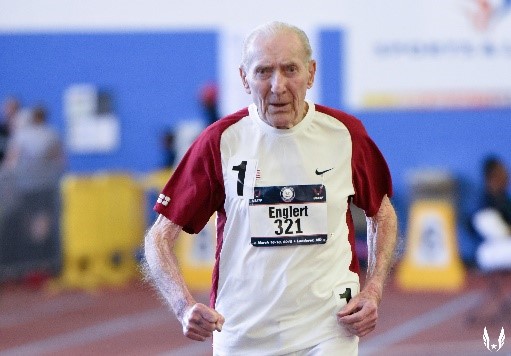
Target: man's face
{"type": "Point", "coordinates": [277, 76]}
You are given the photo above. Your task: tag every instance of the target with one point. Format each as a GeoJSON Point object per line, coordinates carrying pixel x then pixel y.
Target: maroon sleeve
{"type": "Point", "coordinates": [371, 175]}
{"type": "Point", "coordinates": [195, 189]}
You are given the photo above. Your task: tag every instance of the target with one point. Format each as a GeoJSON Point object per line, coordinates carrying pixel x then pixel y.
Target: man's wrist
{"type": "Point", "coordinates": [374, 289]}
{"type": "Point", "coordinates": [182, 308]}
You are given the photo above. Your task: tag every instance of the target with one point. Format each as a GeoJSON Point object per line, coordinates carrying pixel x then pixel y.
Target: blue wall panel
{"type": "Point", "coordinates": [153, 79]}
{"type": "Point", "coordinates": [331, 61]}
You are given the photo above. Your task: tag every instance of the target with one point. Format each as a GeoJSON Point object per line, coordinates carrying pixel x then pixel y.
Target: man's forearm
{"type": "Point", "coordinates": [381, 238]}
{"type": "Point", "coordinates": [162, 267]}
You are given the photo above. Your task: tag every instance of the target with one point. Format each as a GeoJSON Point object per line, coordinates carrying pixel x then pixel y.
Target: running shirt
{"type": "Point", "coordinates": [285, 256]}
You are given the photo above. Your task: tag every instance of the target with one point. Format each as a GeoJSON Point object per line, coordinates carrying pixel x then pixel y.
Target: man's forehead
{"type": "Point", "coordinates": [275, 49]}
{"type": "Point", "coordinates": [268, 39]}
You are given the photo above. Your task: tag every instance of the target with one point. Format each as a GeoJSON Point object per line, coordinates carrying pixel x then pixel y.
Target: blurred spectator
{"type": "Point", "coordinates": [10, 108]}
{"type": "Point", "coordinates": [188, 130]}
{"type": "Point", "coordinates": [169, 149]}
{"type": "Point", "coordinates": [209, 101]}
{"type": "Point", "coordinates": [493, 223]}
{"type": "Point", "coordinates": [35, 153]}
{"type": "Point", "coordinates": [29, 194]}
{"type": "Point", "coordinates": [493, 219]}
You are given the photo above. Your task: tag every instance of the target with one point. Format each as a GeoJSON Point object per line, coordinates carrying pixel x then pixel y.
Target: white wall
{"type": "Point", "coordinates": [34, 15]}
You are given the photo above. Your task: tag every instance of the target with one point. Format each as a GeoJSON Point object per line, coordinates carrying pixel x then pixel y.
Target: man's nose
{"type": "Point", "coordinates": [278, 84]}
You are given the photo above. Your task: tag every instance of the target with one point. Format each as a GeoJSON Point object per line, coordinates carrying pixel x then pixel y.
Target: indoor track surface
{"type": "Point", "coordinates": [133, 321]}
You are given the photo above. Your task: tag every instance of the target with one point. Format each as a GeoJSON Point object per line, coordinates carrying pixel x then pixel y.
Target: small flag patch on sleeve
{"type": "Point", "coordinates": [163, 199]}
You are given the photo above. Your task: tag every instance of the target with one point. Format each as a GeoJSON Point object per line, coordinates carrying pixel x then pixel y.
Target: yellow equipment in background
{"type": "Point", "coordinates": [102, 228]}
{"type": "Point", "coordinates": [432, 261]}
{"type": "Point", "coordinates": [103, 222]}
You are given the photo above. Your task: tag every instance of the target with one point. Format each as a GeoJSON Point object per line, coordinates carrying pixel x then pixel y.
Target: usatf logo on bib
{"type": "Point", "coordinates": [287, 194]}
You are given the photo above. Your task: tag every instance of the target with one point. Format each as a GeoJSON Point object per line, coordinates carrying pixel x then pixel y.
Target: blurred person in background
{"type": "Point", "coordinates": [9, 124]}
{"type": "Point", "coordinates": [29, 190]}
{"type": "Point", "coordinates": [169, 149]}
{"type": "Point", "coordinates": [10, 108]}
{"type": "Point", "coordinates": [492, 222]}
{"type": "Point", "coordinates": [209, 101]}
{"type": "Point", "coordinates": [30, 179]}
{"type": "Point", "coordinates": [34, 150]}
{"type": "Point", "coordinates": [188, 130]}
{"type": "Point", "coordinates": [280, 174]}
{"type": "Point", "coordinates": [496, 196]}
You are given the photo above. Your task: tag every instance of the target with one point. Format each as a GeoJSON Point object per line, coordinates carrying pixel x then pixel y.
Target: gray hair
{"type": "Point", "coordinates": [273, 28]}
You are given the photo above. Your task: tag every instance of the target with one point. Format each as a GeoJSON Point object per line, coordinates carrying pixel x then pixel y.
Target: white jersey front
{"type": "Point", "coordinates": [285, 261]}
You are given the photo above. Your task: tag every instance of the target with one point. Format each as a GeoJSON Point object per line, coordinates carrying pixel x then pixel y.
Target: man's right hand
{"type": "Point", "coordinates": [200, 321]}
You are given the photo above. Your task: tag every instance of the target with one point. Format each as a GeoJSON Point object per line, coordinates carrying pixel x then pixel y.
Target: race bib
{"type": "Point", "coordinates": [288, 215]}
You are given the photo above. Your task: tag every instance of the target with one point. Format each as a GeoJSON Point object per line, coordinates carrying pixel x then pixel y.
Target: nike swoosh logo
{"type": "Point", "coordinates": [321, 172]}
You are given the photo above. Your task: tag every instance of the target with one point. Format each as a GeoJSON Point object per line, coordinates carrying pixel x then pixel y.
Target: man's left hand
{"type": "Point", "coordinates": [359, 316]}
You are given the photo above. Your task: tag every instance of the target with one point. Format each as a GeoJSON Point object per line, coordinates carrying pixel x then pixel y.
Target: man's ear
{"type": "Point", "coordinates": [312, 73]}
{"type": "Point", "coordinates": [243, 76]}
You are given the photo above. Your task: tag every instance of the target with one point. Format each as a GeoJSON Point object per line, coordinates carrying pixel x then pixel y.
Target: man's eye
{"type": "Point", "coordinates": [292, 69]}
{"type": "Point", "coordinates": [264, 73]}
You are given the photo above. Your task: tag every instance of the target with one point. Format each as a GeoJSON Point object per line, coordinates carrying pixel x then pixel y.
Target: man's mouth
{"type": "Point", "coordinates": [278, 105]}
